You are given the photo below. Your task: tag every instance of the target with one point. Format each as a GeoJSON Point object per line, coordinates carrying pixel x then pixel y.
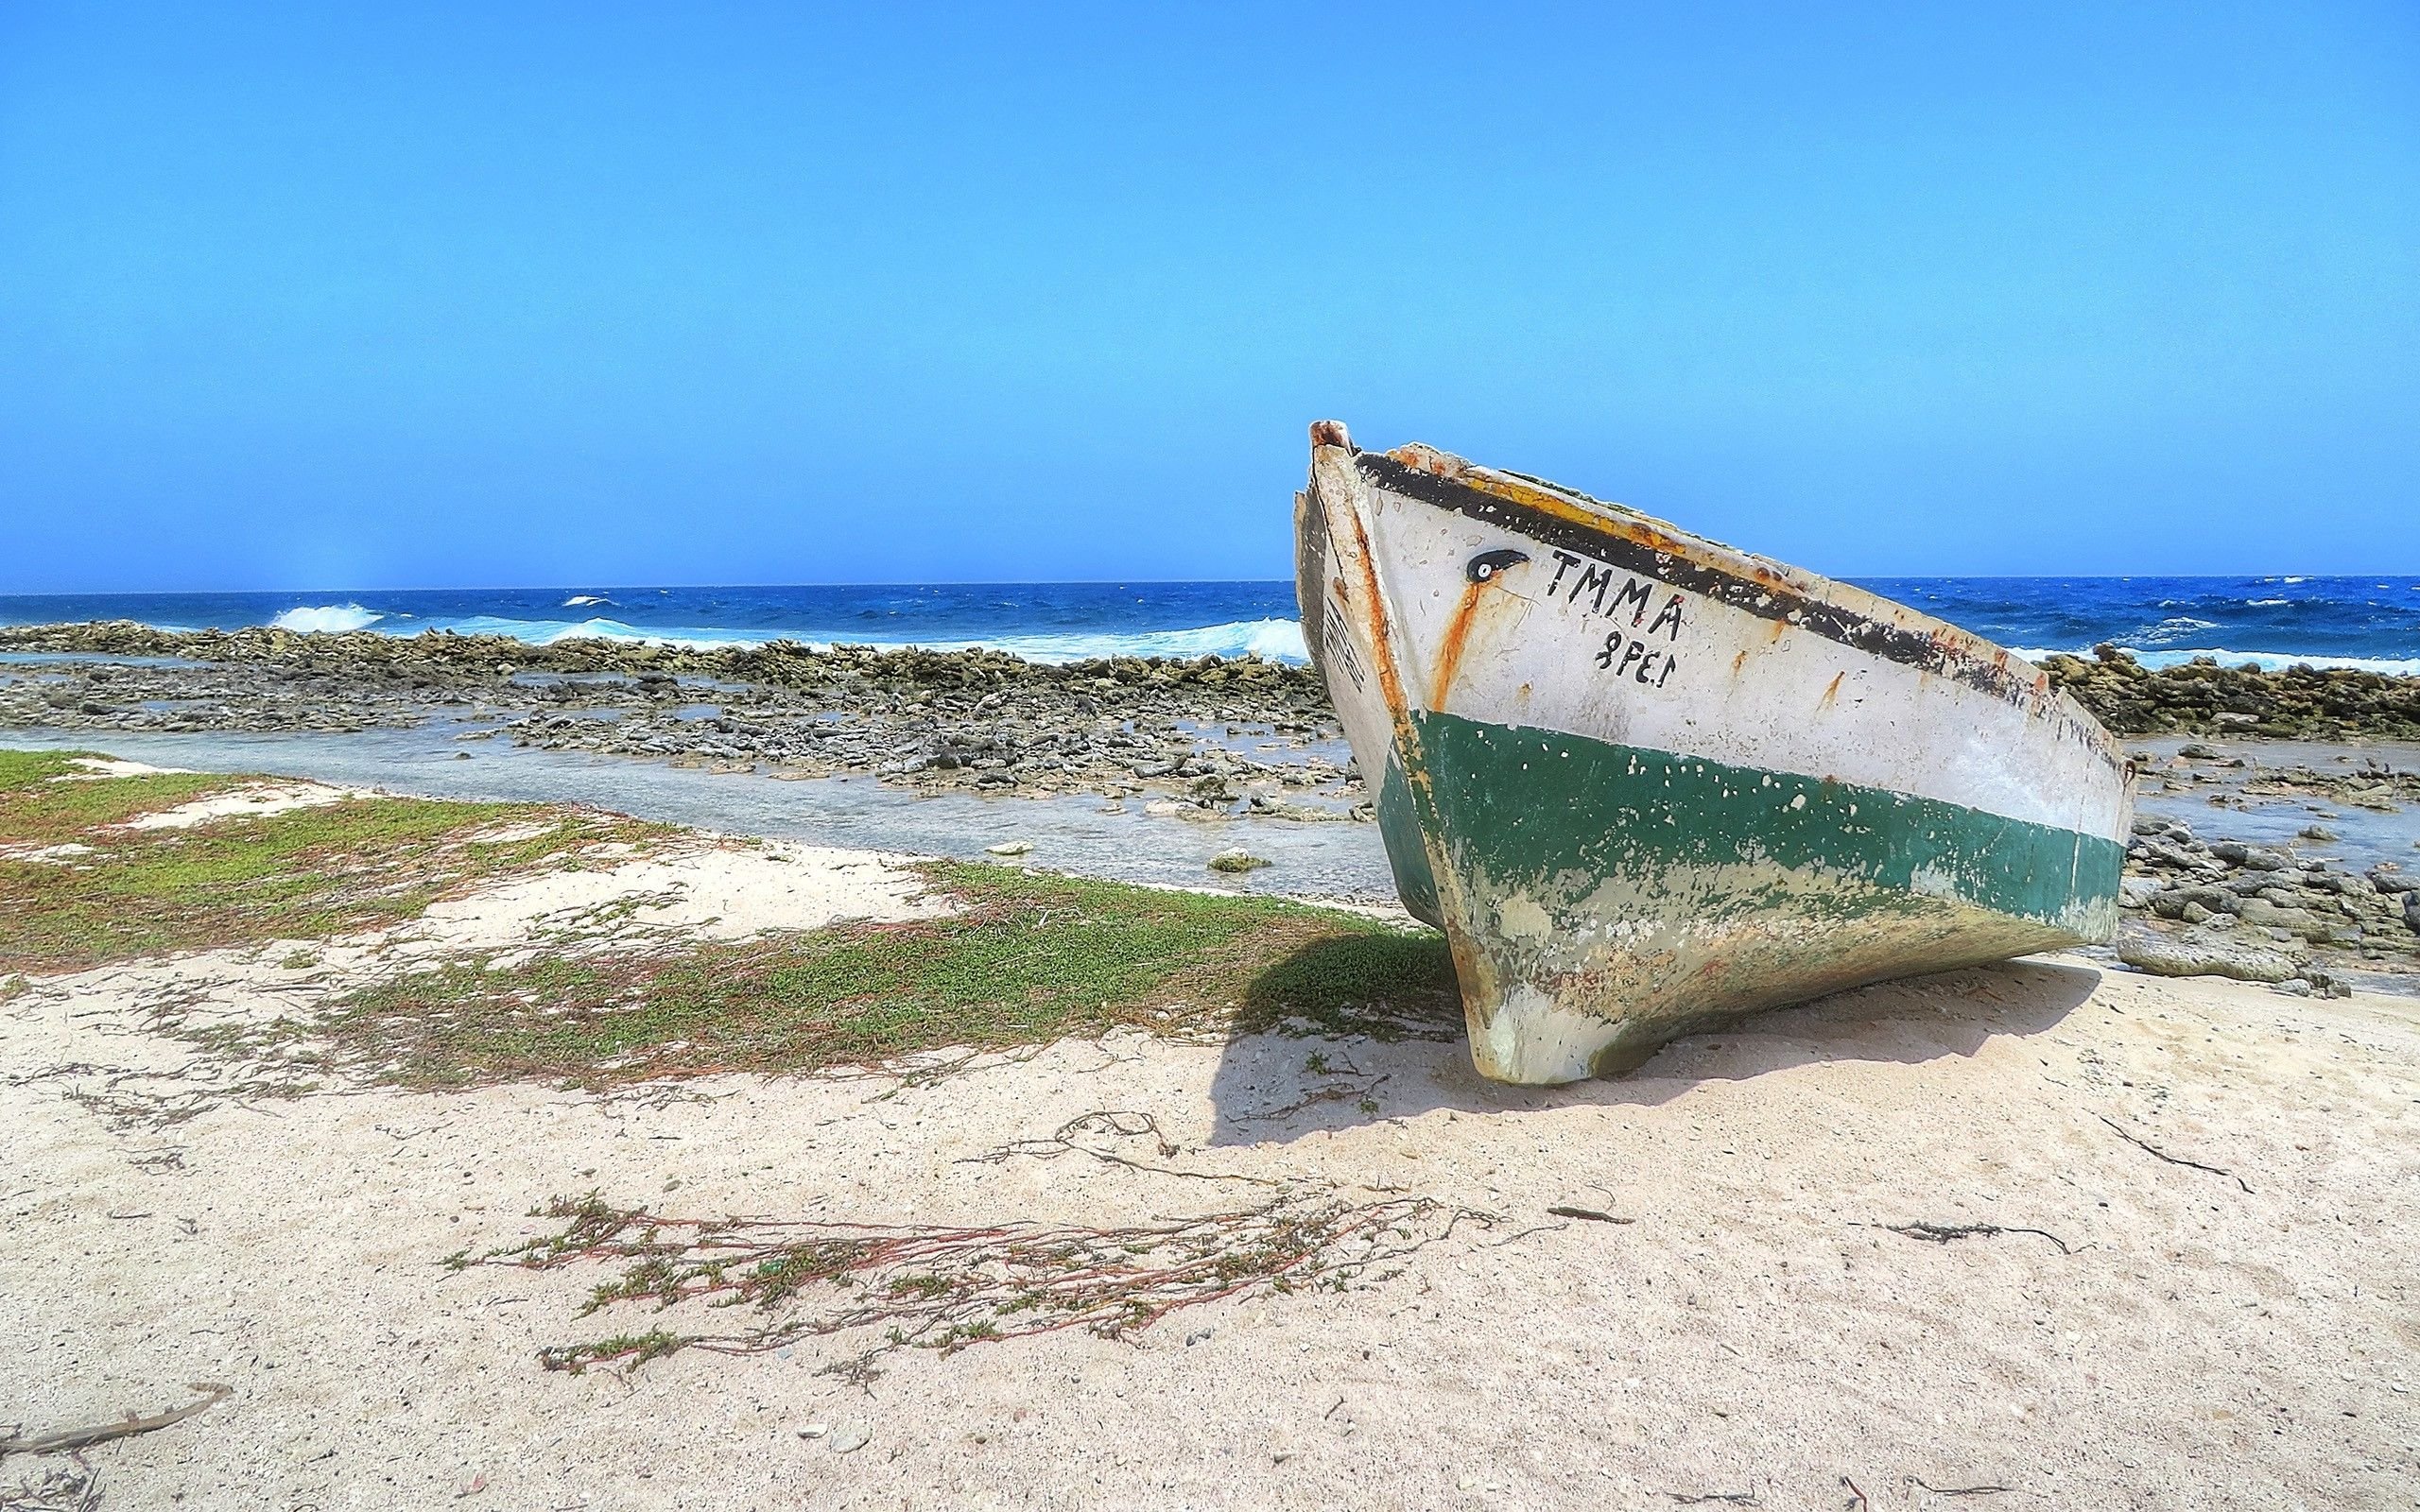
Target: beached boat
{"type": "Point", "coordinates": [1644, 781]}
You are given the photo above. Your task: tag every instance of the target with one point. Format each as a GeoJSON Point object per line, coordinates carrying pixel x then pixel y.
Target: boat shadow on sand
{"type": "Point", "coordinates": [1276, 1088]}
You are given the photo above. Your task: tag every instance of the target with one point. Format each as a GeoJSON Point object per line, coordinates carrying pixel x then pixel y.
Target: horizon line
{"type": "Point", "coordinates": [1132, 582]}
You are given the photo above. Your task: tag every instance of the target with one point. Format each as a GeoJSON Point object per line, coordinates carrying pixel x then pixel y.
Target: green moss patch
{"type": "Point", "coordinates": [1026, 960]}
{"type": "Point", "coordinates": [1022, 959]}
{"type": "Point", "coordinates": [49, 796]}
{"type": "Point", "coordinates": [303, 874]}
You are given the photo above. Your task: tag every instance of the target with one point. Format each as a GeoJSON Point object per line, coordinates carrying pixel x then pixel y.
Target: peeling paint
{"type": "Point", "coordinates": [1520, 918]}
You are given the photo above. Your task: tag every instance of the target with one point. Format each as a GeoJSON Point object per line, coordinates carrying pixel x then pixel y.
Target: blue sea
{"type": "Point", "coordinates": [2370, 623]}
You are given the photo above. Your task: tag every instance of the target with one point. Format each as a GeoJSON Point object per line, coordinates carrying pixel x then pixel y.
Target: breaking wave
{"type": "Point", "coordinates": [1275, 640]}
{"type": "Point", "coordinates": [1272, 639]}
{"type": "Point", "coordinates": [330, 619]}
{"type": "Point", "coordinates": [546, 632]}
{"type": "Point", "coordinates": [2367, 622]}
{"type": "Point", "coordinates": [2169, 629]}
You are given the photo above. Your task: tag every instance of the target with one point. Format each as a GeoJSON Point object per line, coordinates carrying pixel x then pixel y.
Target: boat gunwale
{"type": "Point", "coordinates": [1825, 607]}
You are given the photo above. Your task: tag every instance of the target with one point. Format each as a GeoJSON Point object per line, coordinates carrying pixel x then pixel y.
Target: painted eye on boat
{"type": "Point", "coordinates": [1488, 563]}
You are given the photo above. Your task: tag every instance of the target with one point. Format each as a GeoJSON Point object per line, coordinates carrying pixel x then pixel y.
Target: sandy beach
{"type": "Point", "coordinates": [1126, 758]}
{"type": "Point", "coordinates": [2085, 1235]}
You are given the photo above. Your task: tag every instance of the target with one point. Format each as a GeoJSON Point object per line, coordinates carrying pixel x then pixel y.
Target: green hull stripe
{"type": "Point", "coordinates": [1563, 809]}
{"type": "Point", "coordinates": [1407, 856]}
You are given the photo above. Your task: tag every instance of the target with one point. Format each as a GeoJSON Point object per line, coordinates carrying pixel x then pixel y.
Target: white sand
{"type": "Point", "coordinates": [96, 767]}
{"type": "Point", "coordinates": [250, 802]}
{"type": "Point", "coordinates": [705, 893]}
{"type": "Point", "coordinates": [2204, 1346]}
{"type": "Point", "coordinates": [65, 852]}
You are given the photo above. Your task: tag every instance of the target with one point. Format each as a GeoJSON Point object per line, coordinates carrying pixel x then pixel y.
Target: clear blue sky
{"type": "Point", "coordinates": [301, 296]}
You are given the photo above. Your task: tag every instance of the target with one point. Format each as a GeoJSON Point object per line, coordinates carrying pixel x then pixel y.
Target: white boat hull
{"type": "Point", "coordinates": [1643, 781]}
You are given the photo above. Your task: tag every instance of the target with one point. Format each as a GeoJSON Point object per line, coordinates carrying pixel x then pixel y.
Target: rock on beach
{"type": "Point", "coordinates": [2202, 955]}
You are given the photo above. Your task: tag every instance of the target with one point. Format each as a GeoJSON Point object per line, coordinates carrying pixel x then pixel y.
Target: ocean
{"type": "Point", "coordinates": [2370, 623]}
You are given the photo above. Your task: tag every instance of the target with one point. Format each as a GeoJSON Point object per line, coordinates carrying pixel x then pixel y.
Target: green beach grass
{"type": "Point", "coordinates": [1020, 959]}
{"type": "Point", "coordinates": [1026, 959]}
{"type": "Point", "coordinates": [303, 874]}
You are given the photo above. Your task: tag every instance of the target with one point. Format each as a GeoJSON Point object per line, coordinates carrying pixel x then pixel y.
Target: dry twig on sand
{"type": "Point", "coordinates": [74, 1488]}
{"type": "Point", "coordinates": [1352, 1084]}
{"type": "Point", "coordinates": [2172, 1159]}
{"type": "Point", "coordinates": [1589, 1215]}
{"type": "Point", "coordinates": [1942, 1233]}
{"type": "Point", "coordinates": [67, 1440]}
{"type": "Point", "coordinates": [1116, 1124]}
{"type": "Point", "coordinates": [930, 1287]}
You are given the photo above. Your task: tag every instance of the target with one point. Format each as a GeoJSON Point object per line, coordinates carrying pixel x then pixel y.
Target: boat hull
{"type": "Point", "coordinates": [1644, 782]}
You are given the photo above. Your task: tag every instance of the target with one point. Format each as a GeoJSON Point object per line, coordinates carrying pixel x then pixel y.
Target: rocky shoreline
{"type": "Point", "coordinates": [1241, 735]}
{"type": "Point", "coordinates": [1213, 739]}
{"type": "Point", "coordinates": [2259, 914]}
{"type": "Point", "coordinates": [2203, 697]}
{"type": "Point", "coordinates": [358, 679]}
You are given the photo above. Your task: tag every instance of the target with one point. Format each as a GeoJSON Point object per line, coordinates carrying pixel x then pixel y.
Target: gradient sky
{"type": "Point", "coordinates": [301, 296]}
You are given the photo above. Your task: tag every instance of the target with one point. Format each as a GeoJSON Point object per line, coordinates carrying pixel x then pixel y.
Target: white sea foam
{"type": "Point", "coordinates": [2278, 660]}
{"type": "Point", "coordinates": [2266, 603]}
{"type": "Point", "coordinates": [327, 618]}
{"type": "Point", "coordinates": [582, 600]}
{"type": "Point", "coordinates": [2266, 661]}
{"type": "Point", "coordinates": [546, 632]}
{"type": "Point", "coordinates": [1275, 640]}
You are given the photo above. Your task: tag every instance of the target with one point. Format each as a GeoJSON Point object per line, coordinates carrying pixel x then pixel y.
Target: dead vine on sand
{"type": "Point", "coordinates": [69, 1488]}
{"type": "Point", "coordinates": [153, 1100]}
{"type": "Point", "coordinates": [1942, 1233]}
{"type": "Point", "coordinates": [940, 1287]}
{"type": "Point", "coordinates": [2147, 1148]}
{"type": "Point", "coordinates": [1112, 1123]}
{"type": "Point", "coordinates": [1352, 1084]}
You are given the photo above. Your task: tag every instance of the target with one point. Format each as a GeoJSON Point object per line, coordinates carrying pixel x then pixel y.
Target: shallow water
{"type": "Point", "coordinates": [2365, 838]}
{"type": "Point", "coordinates": [1081, 835]}
{"type": "Point", "coordinates": [37, 658]}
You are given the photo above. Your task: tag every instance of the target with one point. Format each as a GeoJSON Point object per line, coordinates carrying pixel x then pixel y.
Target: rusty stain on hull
{"type": "Point", "coordinates": [1450, 648]}
{"type": "Point", "coordinates": [1375, 609]}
